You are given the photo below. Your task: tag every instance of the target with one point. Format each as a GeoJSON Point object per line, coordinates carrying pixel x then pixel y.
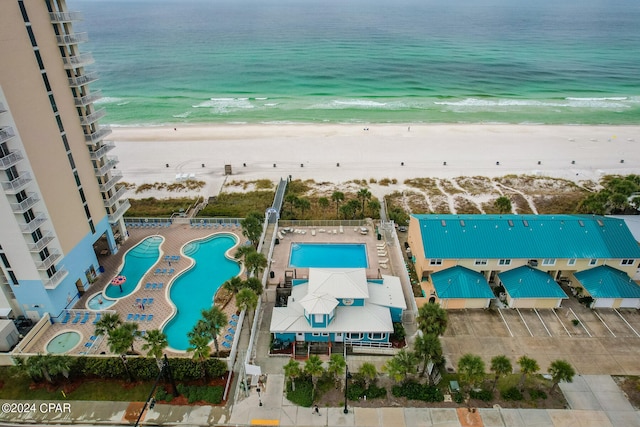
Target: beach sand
{"type": "Point", "coordinates": [377, 151]}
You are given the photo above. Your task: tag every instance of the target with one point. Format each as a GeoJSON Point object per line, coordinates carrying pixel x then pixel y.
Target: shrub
{"type": "Point", "coordinates": [302, 396]}
{"type": "Point", "coordinates": [416, 391]}
{"type": "Point", "coordinates": [458, 397]}
{"type": "Point", "coordinates": [357, 391]}
{"type": "Point", "coordinates": [512, 393]}
{"type": "Point", "coordinates": [484, 395]}
{"type": "Point", "coordinates": [537, 394]}
{"type": "Point", "coordinates": [209, 394]}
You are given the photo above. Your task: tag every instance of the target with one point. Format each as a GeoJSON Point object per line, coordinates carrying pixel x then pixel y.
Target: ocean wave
{"type": "Point", "coordinates": [109, 100]}
{"type": "Point", "coordinates": [364, 104]}
{"type": "Point", "coordinates": [182, 115]}
{"type": "Point", "coordinates": [612, 98]}
{"type": "Point", "coordinates": [595, 103]}
{"type": "Point", "coordinates": [226, 105]}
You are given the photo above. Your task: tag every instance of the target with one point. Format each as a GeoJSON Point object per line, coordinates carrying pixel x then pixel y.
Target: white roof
{"type": "Point", "coordinates": [318, 304]}
{"type": "Point", "coordinates": [339, 282]}
{"type": "Point", "coordinates": [389, 293]}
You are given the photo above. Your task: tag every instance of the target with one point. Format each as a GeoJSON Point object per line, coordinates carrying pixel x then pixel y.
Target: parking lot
{"type": "Point", "coordinates": [602, 341]}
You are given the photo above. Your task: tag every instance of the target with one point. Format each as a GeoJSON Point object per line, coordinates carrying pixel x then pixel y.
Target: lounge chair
{"type": "Point", "coordinates": [235, 316]}
{"type": "Point", "coordinates": [97, 319]}
{"type": "Point", "coordinates": [226, 344]}
{"type": "Point", "coordinates": [158, 271]}
{"type": "Point", "coordinates": [167, 257]}
{"type": "Point", "coordinates": [85, 318]}
{"type": "Point", "coordinates": [382, 253]}
{"type": "Point", "coordinates": [92, 338]}
{"type": "Point", "coordinates": [143, 317]}
{"type": "Point", "coordinates": [384, 266]}
{"type": "Point", "coordinates": [233, 323]}
{"type": "Point", "coordinates": [341, 230]}
{"type": "Point", "coordinates": [147, 286]}
{"type": "Point", "coordinates": [129, 317]}
{"type": "Point", "coordinates": [149, 317]}
{"type": "Point", "coordinates": [228, 337]}
{"type": "Point", "coordinates": [144, 301]}
{"type": "Point", "coordinates": [138, 300]}
{"type": "Point", "coordinates": [136, 317]}
{"type": "Point", "coordinates": [313, 232]}
{"type": "Point", "coordinates": [153, 286]}
{"type": "Point", "coordinates": [66, 318]}
{"type": "Point", "coordinates": [150, 301]}
{"type": "Point", "coordinates": [383, 260]}
{"type": "Point", "coordinates": [88, 344]}
{"type": "Point", "coordinates": [77, 318]}
{"type": "Point", "coordinates": [171, 271]}
{"type": "Point", "coordinates": [231, 331]}
{"type": "Point", "coordinates": [160, 285]}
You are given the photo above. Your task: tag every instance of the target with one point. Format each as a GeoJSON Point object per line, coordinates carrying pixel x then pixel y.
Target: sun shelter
{"type": "Point", "coordinates": [527, 287]}
{"type": "Point", "coordinates": [609, 287]}
{"type": "Point", "coordinates": [460, 287]}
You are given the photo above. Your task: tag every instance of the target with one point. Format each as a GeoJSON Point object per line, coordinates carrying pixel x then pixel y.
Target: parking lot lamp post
{"type": "Point", "coordinates": [347, 375]}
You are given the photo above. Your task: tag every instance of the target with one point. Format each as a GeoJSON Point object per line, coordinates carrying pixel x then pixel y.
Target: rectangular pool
{"type": "Point", "coordinates": [328, 255]}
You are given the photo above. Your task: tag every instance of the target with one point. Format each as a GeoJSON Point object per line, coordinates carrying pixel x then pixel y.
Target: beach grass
{"type": "Point", "coordinates": [158, 208]}
{"type": "Point", "coordinates": [237, 205]}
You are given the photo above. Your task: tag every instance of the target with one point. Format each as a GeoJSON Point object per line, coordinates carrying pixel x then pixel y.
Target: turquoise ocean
{"type": "Point", "coordinates": [365, 61]}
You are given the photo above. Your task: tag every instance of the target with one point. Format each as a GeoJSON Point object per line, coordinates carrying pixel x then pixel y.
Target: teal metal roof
{"type": "Point", "coordinates": [460, 282]}
{"type": "Point", "coordinates": [527, 282]}
{"type": "Point", "coordinates": [526, 236]}
{"type": "Point", "coordinates": [608, 282]}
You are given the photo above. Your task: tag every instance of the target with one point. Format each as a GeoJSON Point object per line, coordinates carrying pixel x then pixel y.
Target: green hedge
{"type": "Point", "coordinates": [416, 391]}
{"type": "Point", "coordinates": [302, 396]}
{"type": "Point", "coordinates": [209, 394]}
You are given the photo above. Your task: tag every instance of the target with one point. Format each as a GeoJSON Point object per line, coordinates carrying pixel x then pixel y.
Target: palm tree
{"type": "Point", "coordinates": [528, 366]}
{"type": "Point", "coordinates": [243, 251]}
{"type": "Point", "coordinates": [429, 348]}
{"type": "Point", "coordinates": [292, 371]}
{"type": "Point", "coordinates": [432, 319]}
{"type": "Point", "coordinates": [122, 338]}
{"type": "Point", "coordinates": [291, 199]}
{"type": "Point", "coordinates": [501, 366]}
{"type": "Point", "coordinates": [336, 367]}
{"type": "Point", "coordinates": [303, 204]}
{"type": "Point", "coordinates": [252, 226]}
{"type": "Point", "coordinates": [233, 285]}
{"type": "Point", "coordinates": [254, 284]}
{"type": "Point", "coordinates": [470, 371]}
{"type": "Point", "coordinates": [107, 323]}
{"type": "Point", "coordinates": [255, 262]}
{"type": "Point", "coordinates": [246, 300]}
{"type": "Point", "coordinates": [364, 194]}
{"type": "Point", "coordinates": [313, 367]}
{"type": "Point", "coordinates": [156, 342]}
{"type": "Point", "coordinates": [374, 208]}
{"type": "Point", "coordinates": [401, 365]}
{"type": "Point", "coordinates": [337, 196]}
{"type": "Point", "coordinates": [214, 320]}
{"type": "Point", "coordinates": [503, 204]}
{"type": "Point", "coordinates": [59, 364]}
{"type": "Point", "coordinates": [368, 372]}
{"type": "Point", "coordinates": [323, 203]}
{"type": "Point", "coordinates": [561, 370]}
{"type": "Point", "coordinates": [199, 345]}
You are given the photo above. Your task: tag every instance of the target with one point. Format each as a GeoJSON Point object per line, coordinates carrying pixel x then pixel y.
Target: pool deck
{"type": "Point", "coordinates": [176, 236]}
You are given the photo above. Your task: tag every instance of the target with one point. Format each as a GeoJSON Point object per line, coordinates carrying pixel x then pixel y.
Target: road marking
{"type": "Point", "coordinates": [625, 321]}
{"type": "Point", "coordinates": [258, 422]}
{"type": "Point", "coordinates": [581, 323]}
{"type": "Point", "coordinates": [505, 322]}
{"type": "Point", "coordinates": [525, 323]}
{"type": "Point", "coordinates": [542, 321]}
{"type": "Point", "coordinates": [603, 322]}
{"type": "Point", "coordinates": [558, 317]}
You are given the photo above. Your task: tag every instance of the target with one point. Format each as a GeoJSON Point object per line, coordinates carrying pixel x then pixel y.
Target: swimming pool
{"type": "Point", "coordinates": [328, 255]}
{"type": "Point", "coordinates": [63, 342]}
{"type": "Point", "coordinates": [193, 290]}
{"type": "Point", "coordinates": [99, 302]}
{"type": "Point", "coordinates": [137, 262]}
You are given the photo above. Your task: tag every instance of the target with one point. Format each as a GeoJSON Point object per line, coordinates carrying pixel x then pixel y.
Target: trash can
{"type": "Point", "coordinates": [379, 236]}
{"type": "Point", "coordinates": [272, 274]}
{"type": "Point", "coordinates": [277, 241]}
{"type": "Point", "coordinates": [101, 269]}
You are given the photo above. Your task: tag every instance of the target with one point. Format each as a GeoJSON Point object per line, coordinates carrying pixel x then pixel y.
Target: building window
{"type": "Point", "coordinates": [5, 261]}
{"type": "Point", "coordinates": [435, 261]}
{"type": "Point", "coordinates": [377, 336]}
{"type": "Point", "coordinates": [354, 336]}
{"type": "Point", "coordinates": [480, 262]}
{"type": "Point", "coordinates": [32, 37]}
{"type": "Point", "coordinates": [593, 261]}
{"type": "Point", "coordinates": [549, 261]}
{"type": "Point", "coordinates": [25, 17]}
{"type": "Point", "coordinates": [39, 59]}
{"type": "Point", "coordinates": [504, 262]}
{"type": "Point", "coordinates": [13, 278]}
{"type": "Point", "coordinates": [571, 261]}
{"type": "Point", "coordinates": [318, 318]}
{"type": "Point", "coordinates": [627, 262]}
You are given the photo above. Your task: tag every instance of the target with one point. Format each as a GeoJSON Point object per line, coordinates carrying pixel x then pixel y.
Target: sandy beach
{"type": "Point", "coordinates": [340, 153]}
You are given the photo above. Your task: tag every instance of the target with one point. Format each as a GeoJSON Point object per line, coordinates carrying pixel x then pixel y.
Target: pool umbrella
{"type": "Point", "coordinates": [118, 281]}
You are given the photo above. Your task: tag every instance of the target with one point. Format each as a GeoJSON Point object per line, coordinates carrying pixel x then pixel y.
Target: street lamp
{"type": "Point", "coordinates": [347, 375]}
{"type": "Point", "coordinates": [259, 399]}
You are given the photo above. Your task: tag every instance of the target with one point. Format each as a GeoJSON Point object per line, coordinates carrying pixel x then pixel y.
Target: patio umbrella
{"type": "Point", "coordinates": [118, 281]}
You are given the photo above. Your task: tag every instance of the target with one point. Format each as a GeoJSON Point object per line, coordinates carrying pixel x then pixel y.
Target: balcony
{"type": "Point", "coordinates": [42, 243]}
{"type": "Point", "coordinates": [10, 159]}
{"type": "Point", "coordinates": [116, 196]}
{"type": "Point", "coordinates": [97, 135]}
{"type": "Point", "coordinates": [61, 17]}
{"type": "Point", "coordinates": [26, 204]}
{"type": "Point", "coordinates": [114, 217]}
{"type": "Point", "coordinates": [109, 164]}
{"type": "Point", "coordinates": [115, 177]}
{"type": "Point", "coordinates": [6, 133]}
{"type": "Point", "coordinates": [18, 184]}
{"type": "Point", "coordinates": [76, 38]}
{"type": "Point", "coordinates": [83, 79]}
{"type": "Point", "coordinates": [77, 61]}
{"type": "Point", "coordinates": [106, 147]}
{"type": "Point", "coordinates": [35, 223]}
{"type": "Point", "coordinates": [93, 117]}
{"type": "Point", "coordinates": [88, 99]}
{"type": "Point", "coordinates": [53, 281]}
{"type": "Point", "coordinates": [46, 263]}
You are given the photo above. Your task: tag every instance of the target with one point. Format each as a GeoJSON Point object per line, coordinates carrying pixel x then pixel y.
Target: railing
{"type": "Point", "coordinates": [98, 135]}
{"type": "Point", "coordinates": [54, 255]}
{"type": "Point", "coordinates": [10, 159]}
{"type": "Point", "coordinates": [40, 244]}
{"type": "Point", "coordinates": [72, 38]}
{"type": "Point", "coordinates": [17, 184]}
{"type": "Point", "coordinates": [65, 16]}
{"type": "Point", "coordinates": [24, 205]}
{"type": "Point", "coordinates": [88, 99]}
{"type": "Point", "coordinates": [83, 79]}
{"type": "Point", "coordinates": [368, 344]}
{"type": "Point", "coordinates": [32, 225]}
{"type": "Point", "coordinates": [323, 223]}
{"type": "Point", "coordinates": [115, 177]}
{"type": "Point", "coordinates": [108, 165]}
{"type": "Point", "coordinates": [77, 61]}
{"type": "Point", "coordinates": [114, 198]}
{"type": "Point", "coordinates": [93, 117]}
{"type": "Point", "coordinates": [6, 133]}
{"type": "Point", "coordinates": [124, 205]}
{"type": "Point", "coordinates": [106, 147]}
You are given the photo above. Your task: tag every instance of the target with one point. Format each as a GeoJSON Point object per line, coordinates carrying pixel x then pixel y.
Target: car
{"type": "Point", "coordinates": [402, 228]}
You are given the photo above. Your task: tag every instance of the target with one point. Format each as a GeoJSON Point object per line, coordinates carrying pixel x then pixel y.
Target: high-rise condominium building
{"type": "Point", "coordinates": [59, 199]}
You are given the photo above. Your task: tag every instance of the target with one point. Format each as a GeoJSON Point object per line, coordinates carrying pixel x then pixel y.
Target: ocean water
{"type": "Point", "coordinates": [365, 61]}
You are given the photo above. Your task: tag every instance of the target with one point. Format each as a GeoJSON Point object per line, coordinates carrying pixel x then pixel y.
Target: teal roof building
{"type": "Point", "coordinates": [460, 283]}
{"type": "Point", "coordinates": [608, 282]}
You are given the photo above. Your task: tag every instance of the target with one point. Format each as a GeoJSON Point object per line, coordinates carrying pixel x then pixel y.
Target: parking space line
{"type": "Point", "coordinates": [505, 322]}
{"type": "Point", "coordinates": [558, 317]}
{"type": "Point", "coordinates": [581, 323]}
{"type": "Point", "coordinates": [603, 322]}
{"type": "Point", "coordinates": [542, 321]}
{"type": "Point", "coordinates": [625, 321]}
{"type": "Point", "coordinates": [525, 323]}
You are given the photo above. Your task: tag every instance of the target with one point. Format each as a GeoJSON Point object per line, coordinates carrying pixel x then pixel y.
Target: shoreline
{"type": "Point", "coordinates": [340, 153]}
